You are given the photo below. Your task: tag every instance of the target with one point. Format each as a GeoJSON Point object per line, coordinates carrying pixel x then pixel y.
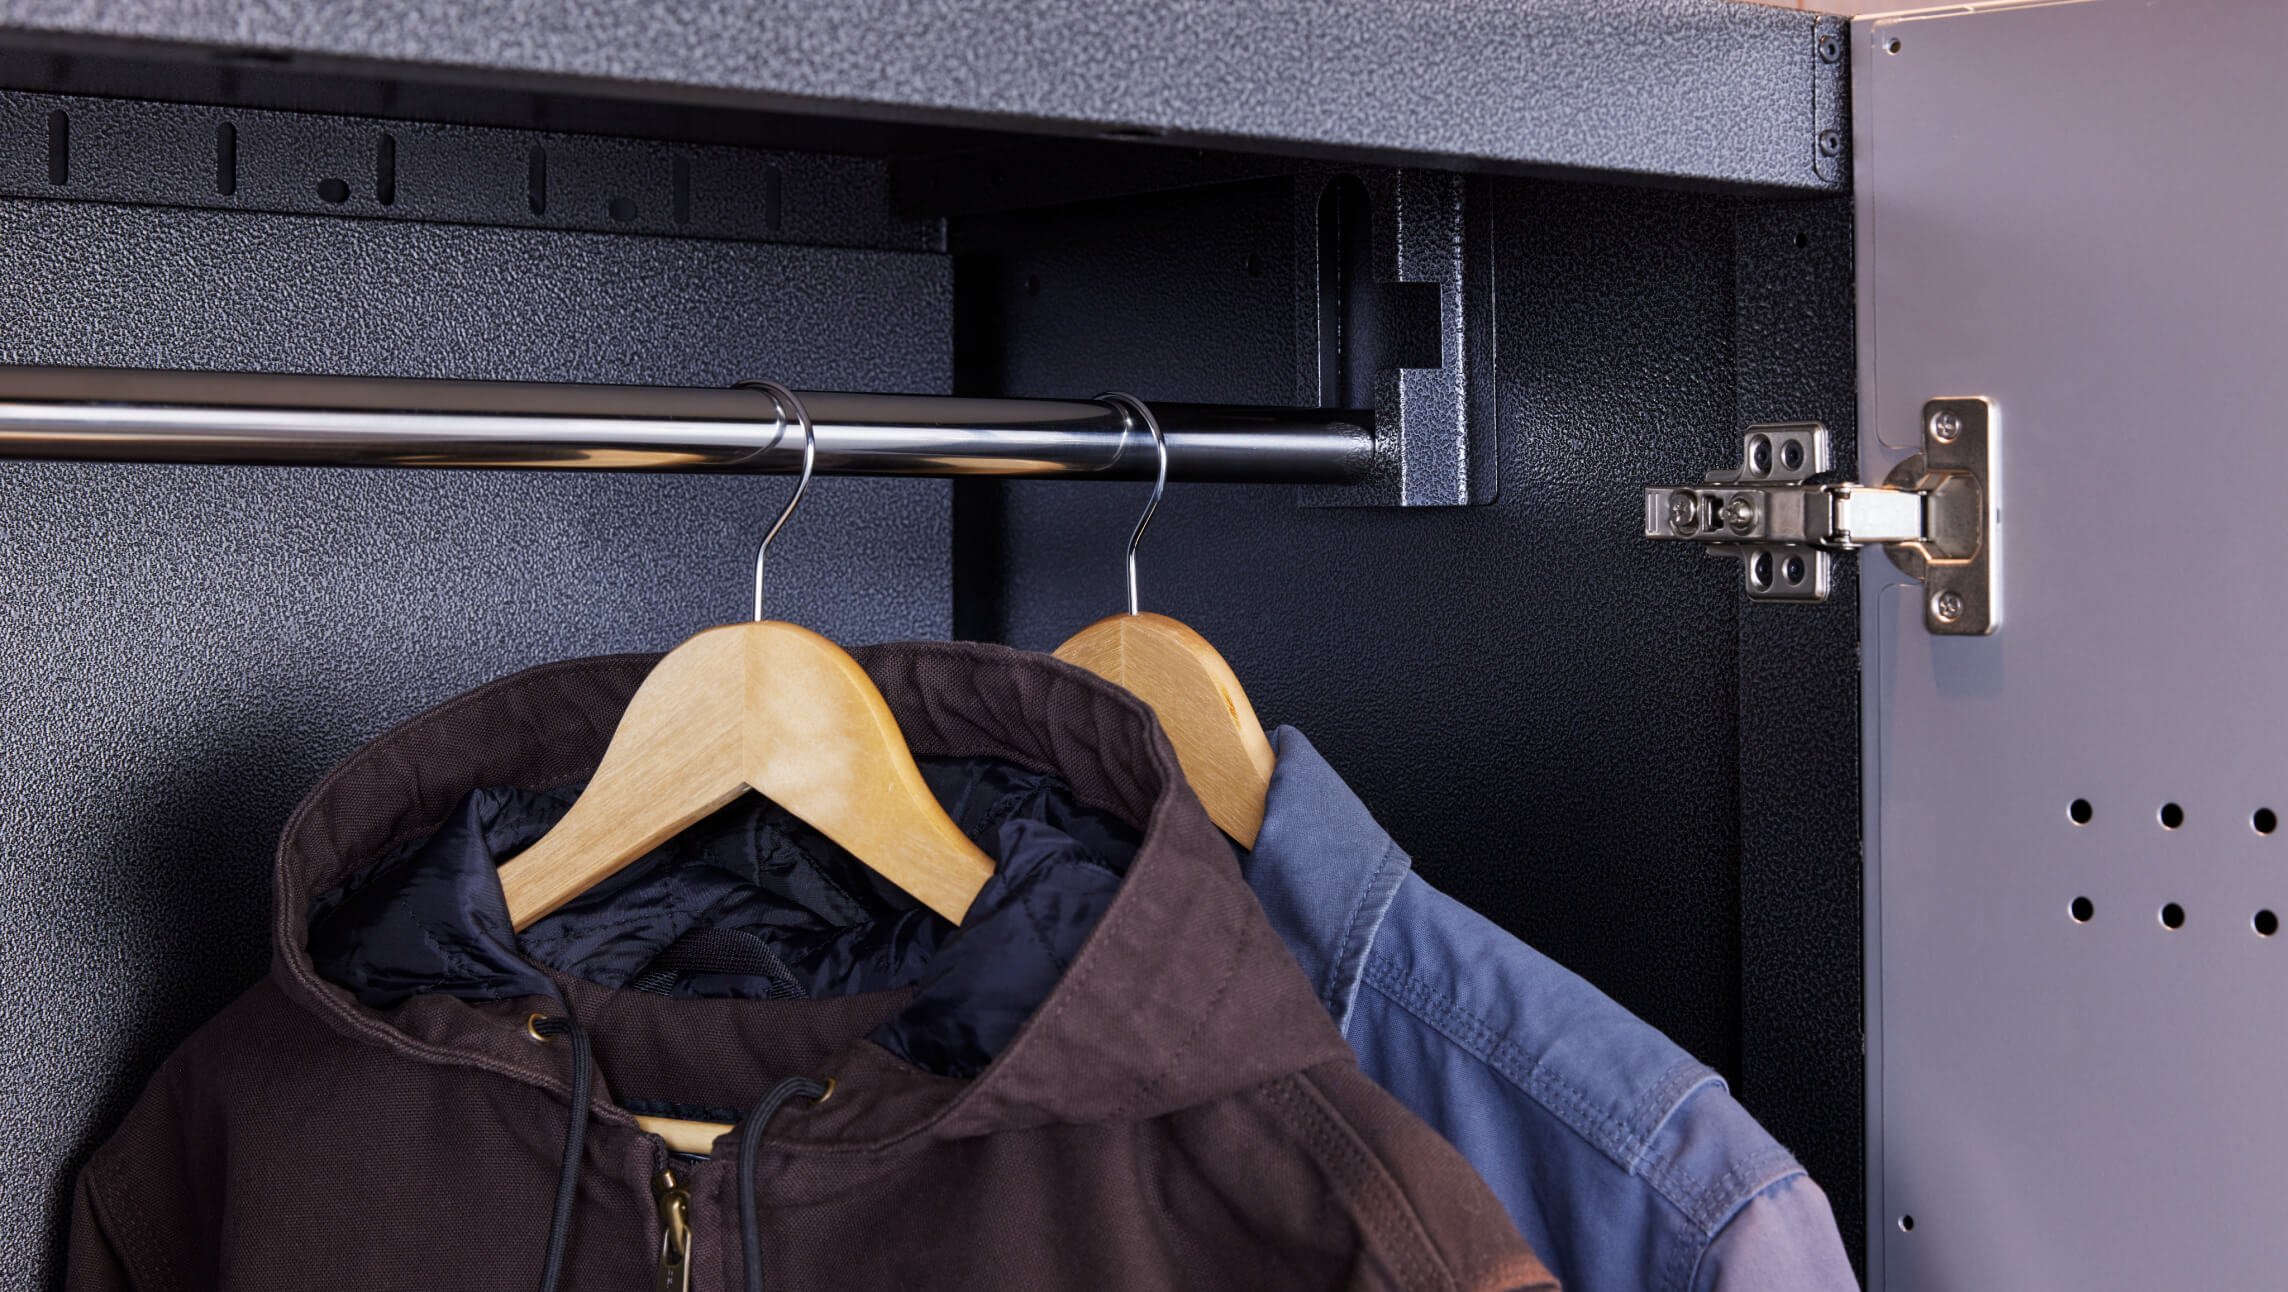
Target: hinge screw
{"type": "Point", "coordinates": [1683, 511]}
{"type": "Point", "coordinates": [1945, 425]}
{"type": "Point", "coordinates": [1830, 49]}
{"type": "Point", "coordinates": [1740, 514]}
{"type": "Point", "coordinates": [1830, 142]}
{"type": "Point", "coordinates": [1946, 605]}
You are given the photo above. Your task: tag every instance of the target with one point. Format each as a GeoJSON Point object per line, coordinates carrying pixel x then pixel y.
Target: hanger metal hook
{"type": "Point", "coordinates": [787, 401]}
{"type": "Point", "coordinates": [1131, 404]}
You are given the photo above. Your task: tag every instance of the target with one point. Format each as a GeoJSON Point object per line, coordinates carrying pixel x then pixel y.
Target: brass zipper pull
{"type": "Point", "coordinates": [674, 1199]}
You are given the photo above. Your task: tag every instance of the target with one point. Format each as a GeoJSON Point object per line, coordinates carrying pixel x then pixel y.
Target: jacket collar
{"type": "Point", "coordinates": [1324, 870]}
{"type": "Point", "coordinates": [1181, 994]}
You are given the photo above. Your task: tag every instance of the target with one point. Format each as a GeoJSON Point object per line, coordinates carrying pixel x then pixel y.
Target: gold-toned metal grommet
{"type": "Point", "coordinates": [829, 1093]}
{"type": "Point", "coordinates": [532, 1024]}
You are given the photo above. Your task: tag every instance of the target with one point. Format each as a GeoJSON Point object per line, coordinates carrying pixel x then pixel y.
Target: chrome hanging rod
{"type": "Point", "coordinates": [130, 415]}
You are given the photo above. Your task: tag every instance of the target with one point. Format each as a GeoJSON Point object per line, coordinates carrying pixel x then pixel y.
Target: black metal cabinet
{"type": "Point", "coordinates": [1561, 254]}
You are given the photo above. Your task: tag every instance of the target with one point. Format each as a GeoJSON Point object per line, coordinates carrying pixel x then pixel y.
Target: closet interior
{"type": "Point", "coordinates": [1500, 328]}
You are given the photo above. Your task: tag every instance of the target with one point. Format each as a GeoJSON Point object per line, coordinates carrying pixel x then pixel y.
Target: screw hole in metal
{"type": "Point", "coordinates": [2172, 916]}
{"type": "Point", "coordinates": [1760, 571]}
{"type": "Point", "coordinates": [1791, 454]}
{"type": "Point", "coordinates": [2266, 924]}
{"type": "Point", "coordinates": [2264, 821]}
{"type": "Point", "coordinates": [1906, 1224]}
{"type": "Point", "coordinates": [1760, 455]}
{"type": "Point", "coordinates": [1891, 46]}
{"type": "Point", "coordinates": [1792, 570]}
{"type": "Point", "coordinates": [2082, 909]}
{"type": "Point", "coordinates": [2080, 812]}
{"type": "Point", "coordinates": [2172, 816]}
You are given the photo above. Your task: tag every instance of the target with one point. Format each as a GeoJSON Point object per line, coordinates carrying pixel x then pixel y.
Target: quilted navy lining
{"type": "Point", "coordinates": [429, 916]}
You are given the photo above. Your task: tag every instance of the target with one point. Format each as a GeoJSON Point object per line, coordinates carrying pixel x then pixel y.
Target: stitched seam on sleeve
{"type": "Point", "coordinates": [1386, 1220]}
{"type": "Point", "coordinates": [1707, 1205]}
{"type": "Point", "coordinates": [1573, 1106]}
{"type": "Point", "coordinates": [131, 1235]}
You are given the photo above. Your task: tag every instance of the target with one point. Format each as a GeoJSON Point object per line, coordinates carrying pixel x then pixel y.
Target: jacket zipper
{"type": "Point", "coordinates": [674, 1198]}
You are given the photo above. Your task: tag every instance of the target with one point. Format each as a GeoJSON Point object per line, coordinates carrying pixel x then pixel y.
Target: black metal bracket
{"type": "Point", "coordinates": [1395, 312]}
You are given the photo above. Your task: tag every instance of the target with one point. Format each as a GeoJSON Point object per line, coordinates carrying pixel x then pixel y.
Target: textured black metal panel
{"type": "Point", "coordinates": [1802, 1011]}
{"type": "Point", "coordinates": [247, 78]}
{"type": "Point", "coordinates": [1703, 89]}
{"type": "Point", "coordinates": [184, 651]}
{"type": "Point", "coordinates": [1194, 286]}
{"type": "Point", "coordinates": [118, 150]}
{"type": "Point", "coordinates": [1537, 702]}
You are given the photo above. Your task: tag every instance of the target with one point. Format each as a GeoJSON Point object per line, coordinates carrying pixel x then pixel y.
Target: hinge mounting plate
{"type": "Point", "coordinates": [1936, 515]}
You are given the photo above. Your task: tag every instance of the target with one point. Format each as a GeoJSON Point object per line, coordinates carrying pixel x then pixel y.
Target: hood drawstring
{"type": "Point", "coordinates": [750, 1135]}
{"type": "Point", "coordinates": [543, 1027]}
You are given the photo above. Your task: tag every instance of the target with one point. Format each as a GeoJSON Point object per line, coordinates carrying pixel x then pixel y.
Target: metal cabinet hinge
{"type": "Point", "coordinates": [1935, 515]}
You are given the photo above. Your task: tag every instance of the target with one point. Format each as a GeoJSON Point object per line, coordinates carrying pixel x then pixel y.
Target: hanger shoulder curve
{"type": "Point", "coordinates": [823, 744]}
{"type": "Point", "coordinates": [769, 706]}
{"type": "Point", "coordinates": [1198, 699]}
{"type": "Point", "coordinates": [675, 757]}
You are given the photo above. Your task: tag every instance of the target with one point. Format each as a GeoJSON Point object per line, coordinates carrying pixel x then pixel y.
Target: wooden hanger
{"type": "Point", "coordinates": [766, 706]}
{"type": "Point", "coordinates": [1192, 691]}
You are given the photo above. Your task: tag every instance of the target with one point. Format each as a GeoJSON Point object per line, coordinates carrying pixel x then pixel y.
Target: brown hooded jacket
{"type": "Point", "coordinates": [1178, 1113]}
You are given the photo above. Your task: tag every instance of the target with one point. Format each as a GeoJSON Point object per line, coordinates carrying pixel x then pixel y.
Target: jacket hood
{"type": "Point", "coordinates": [1116, 968]}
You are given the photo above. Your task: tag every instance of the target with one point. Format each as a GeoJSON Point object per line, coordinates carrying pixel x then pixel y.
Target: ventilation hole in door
{"type": "Point", "coordinates": [2172, 816]}
{"type": "Point", "coordinates": [2080, 812]}
{"type": "Point", "coordinates": [2266, 924]}
{"type": "Point", "coordinates": [774, 199]}
{"type": "Point", "coordinates": [622, 209]}
{"type": "Point", "coordinates": [2083, 910]}
{"type": "Point", "coordinates": [2172, 916]}
{"type": "Point", "coordinates": [2264, 821]}
{"type": "Point", "coordinates": [1906, 1224]}
{"type": "Point", "coordinates": [226, 159]}
{"type": "Point", "coordinates": [334, 191]}
{"type": "Point", "coordinates": [682, 179]}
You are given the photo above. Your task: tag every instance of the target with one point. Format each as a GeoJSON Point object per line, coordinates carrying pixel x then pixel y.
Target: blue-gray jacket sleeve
{"type": "Point", "coordinates": [1627, 1164]}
